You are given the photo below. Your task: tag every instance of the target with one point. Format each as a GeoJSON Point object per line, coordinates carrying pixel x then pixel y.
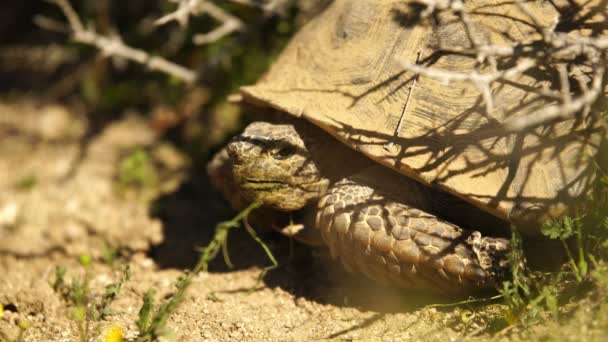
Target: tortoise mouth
{"type": "Point", "coordinates": [256, 184]}
{"type": "Point", "coordinates": [281, 194]}
{"type": "Point", "coordinates": [263, 184]}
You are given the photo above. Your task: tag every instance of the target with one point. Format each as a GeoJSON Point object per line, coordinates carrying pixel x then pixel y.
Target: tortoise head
{"type": "Point", "coordinates": [273, 164]}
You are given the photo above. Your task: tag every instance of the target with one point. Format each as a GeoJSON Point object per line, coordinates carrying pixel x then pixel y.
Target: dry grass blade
{"type": "Point", "coordinates": [191, 8]}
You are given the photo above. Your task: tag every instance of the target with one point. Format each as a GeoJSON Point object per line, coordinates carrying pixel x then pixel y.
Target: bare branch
{"type": "Point", "coordinates": [555, 52]}
{"type": "Point", "coordinates": [113, 46]}
{"type": "Point", "coordinates": [185, 9]}
{"type": "Point", "coordinates": [70, 14]}
{"type": "Point", "coordinates": [433, 6]}
{"type": "Point", "coordinates": [560, 111]}
{"type": "Point", "coordinates": [564, 83]}
{"type": "Point", "coordinates": [51, 24]}
{"type": "Point", "coordinates": [270, 6]}
{"type": "Point", "coordinates": [229, 22]}
{"type": "Point", "coordinates": [482, 81]}
{"type": "Point", "coordinates": [188, 8]}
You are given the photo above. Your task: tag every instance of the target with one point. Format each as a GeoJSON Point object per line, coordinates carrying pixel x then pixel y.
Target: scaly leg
{"type": "Point", "coordinates": [394, 243]}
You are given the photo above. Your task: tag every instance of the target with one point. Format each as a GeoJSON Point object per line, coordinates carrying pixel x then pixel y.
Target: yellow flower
{"type": "Point", "coordinates": [113, 333]}
{"type": "Point", "coordinates": [23, 325]}
{"type": "Point", "coordinates": [85, 260]}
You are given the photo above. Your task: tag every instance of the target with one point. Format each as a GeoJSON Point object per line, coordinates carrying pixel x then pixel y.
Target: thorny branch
{"type": "Point", "coordinates": [113, 46]}
{"type": "Point", "coordinates": [229, 23]}
{"type": "Point", "coordinates": [481, 80]}
{"type": "Point", "coordinates": [569, 55]}
{"type": "Point", "coordinates": [268, 7]}
{"type": "Point", "coordinates": [187, 8]}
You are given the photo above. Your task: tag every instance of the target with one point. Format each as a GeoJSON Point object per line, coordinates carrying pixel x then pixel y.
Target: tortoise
{"type": "Point", "coordinates": [405, 179]}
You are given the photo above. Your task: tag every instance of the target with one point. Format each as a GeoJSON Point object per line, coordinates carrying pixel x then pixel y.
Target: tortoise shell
{"type": "Point", "coordinates": [344, 71]}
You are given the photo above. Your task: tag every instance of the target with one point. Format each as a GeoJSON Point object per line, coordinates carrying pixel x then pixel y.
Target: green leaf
{"type": "Point", "coordinates": [559, 229]}
{"type": "Point", "coordinates": [551, 302]}
{"type": "Point", "coordinates": [145, 313]}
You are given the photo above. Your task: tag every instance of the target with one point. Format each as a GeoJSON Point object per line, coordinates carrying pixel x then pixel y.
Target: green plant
{"type": "Point", "coordinates": [154, 325]}
{"type": "Point", "coordinates": [220, 239]}
{"type": "Point", "coordinates": [27, 182]}
{"type": "Point", "coordinates": [23, 326]}
{"type": "Point", "coordinates": [110, 254]}
{"type": "Point", "coordinates": [137, 170]}
{"type": "Point", "coordinates": [110, 294]}
{"type": "Point", "coordinates": [532, 295]}
{"type": "Point", "coordinates": [151, 323]}
{"type": "Point", "coordinates": [85, 308]}
{"type": "Point", "coordinates": [145, 312]}
{"type": "Point", "coordinates": [563, 229]}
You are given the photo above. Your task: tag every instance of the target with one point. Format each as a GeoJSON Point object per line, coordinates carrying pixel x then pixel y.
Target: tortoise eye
{"type": "Point", "coordinates": [284, 153]}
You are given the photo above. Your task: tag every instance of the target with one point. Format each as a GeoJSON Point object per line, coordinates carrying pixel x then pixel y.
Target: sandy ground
{"type": "Point", "coordinates": [72, 207]}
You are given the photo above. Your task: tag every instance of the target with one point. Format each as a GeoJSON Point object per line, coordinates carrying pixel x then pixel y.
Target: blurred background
{"type": "Point", "coordinates": [87, 114]}
{"type": "Point", "coordinates": [39, 61]}
{"type": "Point", "coordinates": [58, 90]}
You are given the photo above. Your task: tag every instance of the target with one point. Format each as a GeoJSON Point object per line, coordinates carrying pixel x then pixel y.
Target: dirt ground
{"type": "Point", "coordinates": [59, 200]}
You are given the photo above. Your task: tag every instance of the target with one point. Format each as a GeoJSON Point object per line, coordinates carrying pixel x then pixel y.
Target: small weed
{"type": "Point", "coordinates": [257, 239]}
{"type": "Point", "coordinates": [111, 292]}
{"type": "Point", "coordinates": [600, 276]}
{"type": "Point", "coordinates": [23, 327]}
{"type": "Point", "coordinates": [137, 170]}
{"type": "Point", "coordinates": [26, 183]}
{"type": "Point", "coordinates": [110, 255]}
{"type": "Point", "coordinates": [85, 308]}
{"type": "Point", "coordinates": [151, 323]}
{"type": "Point", "coordinates": [145, 312]}
{"type": "Point", "coordinates": [220, 240]}
{"type": "Point", "coordinates": [563, 229]}
{"type": "Point", "coordinates": [517, 291]}
{"type": "Point", "coordinates": [532, 296]}
{"type": "Point", "coordinates": [153, 326]}
{"type": "Point", "coordinates": [59, 278]}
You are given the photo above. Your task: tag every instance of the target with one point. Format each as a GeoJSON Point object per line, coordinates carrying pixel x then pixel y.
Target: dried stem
{"type": "Point", "coordinates": [113, 46]}
{"type": "Point", "coordinates": [229, 25]}
{"type": "Point", "coordinates": [565, 54]}
{"type": "Point", "coordinates": [269, 7]}
{"type": "Point", "coordinates": [189, 8]}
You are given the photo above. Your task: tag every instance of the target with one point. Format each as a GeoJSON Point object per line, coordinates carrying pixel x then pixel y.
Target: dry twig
{"type": "Point", "coordinates": [229, 23]}
{"type": "Point", "coordinates": [268, 7]}
{"type": "Point", "coordinates": [188, 8]}
{"type": "Point", "coordinates": [563, 54]}
{"type": "Point", "coordinates": [482, 81]}
{"type": "Point", "coordinates": [113, 46]}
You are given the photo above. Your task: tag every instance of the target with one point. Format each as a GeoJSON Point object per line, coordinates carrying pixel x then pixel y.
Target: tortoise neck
{"type": "Point", "coordinates": [334, 159]}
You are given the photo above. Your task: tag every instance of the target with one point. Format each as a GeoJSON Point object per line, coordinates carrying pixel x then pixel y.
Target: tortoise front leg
{"type": "Point", "coordinates": [397, 244]}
